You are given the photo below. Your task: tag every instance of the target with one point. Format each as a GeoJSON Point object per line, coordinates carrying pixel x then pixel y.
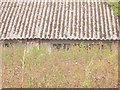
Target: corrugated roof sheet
{"type": "Point", "coordinates": [58, 20]}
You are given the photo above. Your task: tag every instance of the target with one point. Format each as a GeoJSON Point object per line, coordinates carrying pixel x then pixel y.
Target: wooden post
{"type": "Point", "coordinates": [88, 47]}
{"type": "Point", "coordinates": [39, 44]}
{"type": "Point", "coordinates": [111, 44]}
{"type": "Point", "coordinates": [36, 44]}
{"type": "Point", "coordinates": [46, 45]}
{"type": "Point", "coordinates": [114, 45]}
{"type": "Point", "coordinates": [30, 44]}
{"type": "Point", "coordinates": [1, 49]}
{"type": "Point", "coordinates": [49, 47]}
{"type": "Point", "coordinates": [118, 64]}
{"type": "Point", "coordinates": [100, 46]}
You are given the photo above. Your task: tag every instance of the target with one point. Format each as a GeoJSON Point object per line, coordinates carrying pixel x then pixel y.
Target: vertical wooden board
{"type": "Point", "coordinates": [46, 45]}
{"type": "Point", "coordinates": [119, 64]}
{"type": "Point", "coordinates": [36, 43]}
{"type": "Point", "coordinates": [1, 48]}
{"type": "Point", "coordinates": [112, 46]}
{"type": "Point", "coordinates": [49, 47]}
{"type": "Point", "coordinates": [30, 44]}
{"type": "Point", "coordinates": [100, 46]}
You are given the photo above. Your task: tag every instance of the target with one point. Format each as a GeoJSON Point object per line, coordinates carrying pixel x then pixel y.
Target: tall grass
{"type": "Point", "coordinates": [77, 67]}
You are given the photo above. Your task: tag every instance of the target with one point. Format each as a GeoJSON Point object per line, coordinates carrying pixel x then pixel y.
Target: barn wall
{"type": "Point", "coordinates": [49, 43]}
{"type": "Point", "coordinates": [32, 43]}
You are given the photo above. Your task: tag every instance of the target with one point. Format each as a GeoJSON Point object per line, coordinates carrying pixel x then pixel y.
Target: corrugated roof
{"type": "Point", "coordinates": [58, 20]}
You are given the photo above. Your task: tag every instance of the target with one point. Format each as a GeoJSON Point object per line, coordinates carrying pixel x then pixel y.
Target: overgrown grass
{"type": "Point", "coordinates": [74, 68]}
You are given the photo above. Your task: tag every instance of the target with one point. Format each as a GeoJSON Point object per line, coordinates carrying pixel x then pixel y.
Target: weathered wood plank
{"type": "Point", "coordinates": [1, 48]}
{"type": "Point", "coordinates": [118, 63]}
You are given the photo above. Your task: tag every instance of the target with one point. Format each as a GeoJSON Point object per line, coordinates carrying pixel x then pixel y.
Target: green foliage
{"type": "Point", "coordinates": [29, 84]}
{"type": "Point", "coordinates": [116, 7]}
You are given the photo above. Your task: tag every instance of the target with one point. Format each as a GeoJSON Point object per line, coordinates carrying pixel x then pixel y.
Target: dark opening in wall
{"type": "Point", "coordinates": [7, 44]}
{"type": "Point", "coordinates": [62, 46]}
{"type": "Point", "coordinates": [57, 46]}
{"type": "Point", "coordinates": [66, 46]}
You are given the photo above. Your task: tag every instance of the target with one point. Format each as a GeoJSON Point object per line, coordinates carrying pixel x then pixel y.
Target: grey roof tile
{"type": "Point", "coordinates": [58, 20]}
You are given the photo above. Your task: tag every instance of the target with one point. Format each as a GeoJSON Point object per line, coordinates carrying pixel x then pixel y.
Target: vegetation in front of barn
{"type": "Point", "coordinates": [77, 67]}
{"type": "Point", "coordinates": [116, 7]}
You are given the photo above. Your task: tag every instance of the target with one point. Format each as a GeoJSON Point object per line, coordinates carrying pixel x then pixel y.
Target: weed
{"type": "Point", "coordinates": [77, 67]}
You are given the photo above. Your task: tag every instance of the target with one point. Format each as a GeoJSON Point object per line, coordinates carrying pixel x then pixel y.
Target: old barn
{"type": "Point", "coordinates": [59, 22]}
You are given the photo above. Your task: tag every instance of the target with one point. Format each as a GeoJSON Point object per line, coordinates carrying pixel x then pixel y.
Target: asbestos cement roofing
{"type": "Point", "coordinates": [58, 20]}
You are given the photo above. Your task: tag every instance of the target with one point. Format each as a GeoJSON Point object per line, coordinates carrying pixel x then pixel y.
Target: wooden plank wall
{"type": "Point", "coordinates": [49, 43]}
